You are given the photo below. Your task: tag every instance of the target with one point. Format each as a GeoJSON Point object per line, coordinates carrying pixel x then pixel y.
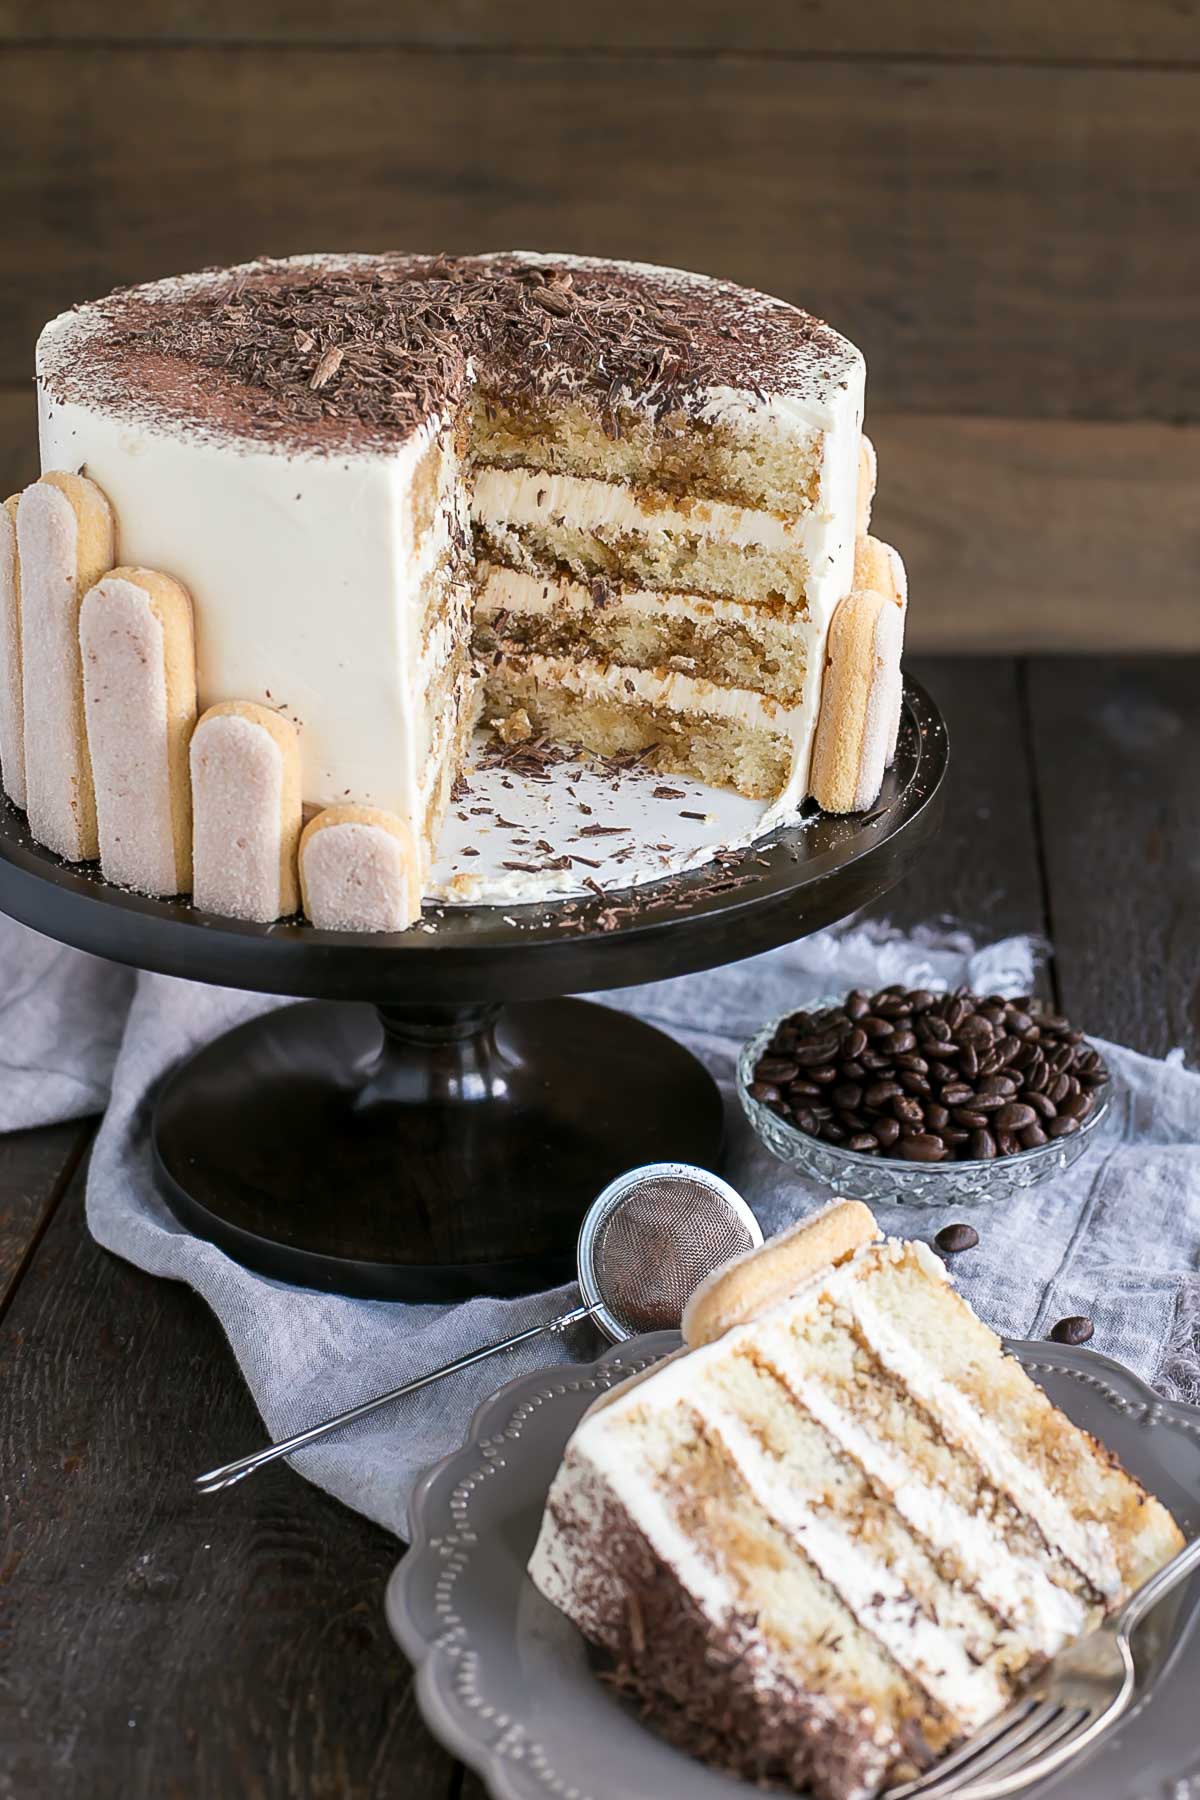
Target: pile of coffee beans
{"type": "Point", "coordinates": [931, 1077]}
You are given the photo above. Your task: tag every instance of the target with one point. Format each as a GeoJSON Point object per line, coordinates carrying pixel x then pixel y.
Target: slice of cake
{"type": "Point", "coordinates": [829, 1539]}
{"type": "Point", "coordinates": [405, 492]}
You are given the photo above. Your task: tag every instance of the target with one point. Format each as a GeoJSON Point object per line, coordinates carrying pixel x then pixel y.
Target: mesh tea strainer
{"type": "Point", "coordinates": [645, 1245]}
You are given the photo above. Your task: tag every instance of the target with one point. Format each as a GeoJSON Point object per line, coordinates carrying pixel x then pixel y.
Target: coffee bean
{"type": "Point", "coordinates": [848, 1095]}
{"type": "Point", "coordinates": [872, 1062]}
{"type": "Point", "coordinates": [854, 1043]}
{"type": "Point", "coordinates": [857, 1003]}
{"type": "Point", "coordinates": [923, 1148]}
{"type": "Point", "coordinates": [954, 1135]}
{"type": "Point", "coordinates": [935, 1029]}
{"type": "Point", "coordinates": [1059, 1089]}
{"type": "Point", "coordinates": [1076, 1106]}
{"type": "Point", "coordinates": [998, 1084]}
{"type": "Point", "coordinates": [921, 999]}
{"type": "Point", "coordinates": [1060, 1128]}
{"type": "Point", "coordinates": [968, 1063]}
{"type": "Point", "coordinates": [803, 1089]}
{"type": "Point", "coordinates": [908, 1060]}
{"type": "Point", "coordinates": [892, 1006]}
{"type": "Point", "coordinates": [824, 1075]}
{"type": "Point", "coordinates": [901, 1042]}
{"type": "Point", "coordinates": [1075, 1330]}
{"type": "Point", "coordinates": [819, 1051]}
{"type": "Point", "coordinates": [1032, 1137]}
{"type": "Point", "coordinates": [805, 1119]}
{"type": "Point", "coordinates": [908, 1110]}
{"type": "Point", "coordinates": [982, 1102]}
{"type": "Point", "coordinates": [863, 1141]}
{"type": "Point", "coordinates": [981, 1146]}
{"type": "Point", "coordinates": [880, 1092]}
{"type": "Point", "coordinates": [915, 1084]}
{"type": "Point", "coordinates": [1007, 1142]}
{"type": "Point", "coordinates": [776, 1068]}
{"type": "Point", "coordinates": [1041, 1103]}
{"type": "Point", "coordinates": [1015, 1116]}
{"type": "Point", "coordinates": [969, 1119]}
{"type": "Point", "coordinates": [763, 1091]}
{"type": "Point", "coordinates": [936, 1117]}
{"type": "Point", "coordinates": [832, 1132]}
{"type": "Point", "coordinates": [886, 1131]}
{"type": "Point", "coordinates": [852, 1071]}
{"type": "Point", "coordinates": [875, 1027]}
{"type": "Point", "coordinates": [955, 1238]}
{"type": "Point", "coordinates": [956, 1093]}
{"type": "Point", "coordinates": [853, 1121]}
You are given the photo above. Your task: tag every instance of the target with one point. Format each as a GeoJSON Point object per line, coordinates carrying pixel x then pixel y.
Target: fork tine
{"type": "Point", "coordinates": [955, 1773]}
{"type": "Point", "coordinates": [946, 1765]}
{"type": "Point", "coordinates": [1022, 1766]}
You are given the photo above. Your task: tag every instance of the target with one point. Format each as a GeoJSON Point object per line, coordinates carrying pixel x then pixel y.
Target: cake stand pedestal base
{"type": "Point", "coordinates": [422, 1152]}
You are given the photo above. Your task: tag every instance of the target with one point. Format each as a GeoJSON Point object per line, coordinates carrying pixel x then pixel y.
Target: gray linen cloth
{"type": "Point", "coordinates": [1117, 1238]}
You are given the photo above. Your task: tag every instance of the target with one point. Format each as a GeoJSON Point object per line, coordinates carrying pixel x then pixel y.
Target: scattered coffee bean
{"type": "Point", "coordinates": [953, 1238]}
{"type": "Point", "coordinates": [1076, 1330]}
{"type": "Point", "coordinates": [931, 1077]}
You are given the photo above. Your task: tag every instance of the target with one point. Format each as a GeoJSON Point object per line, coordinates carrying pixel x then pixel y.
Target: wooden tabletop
{"type": "Point", "coordinates": [155, 1644]}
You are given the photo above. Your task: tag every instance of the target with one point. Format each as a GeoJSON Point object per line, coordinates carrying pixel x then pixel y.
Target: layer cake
{"type": "Point", "coordinates": [618, 503]}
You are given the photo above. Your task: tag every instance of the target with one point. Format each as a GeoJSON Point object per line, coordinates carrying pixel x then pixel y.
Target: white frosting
{"type": "Point", "coordinates": [521, 592]}
{"type": "Point", "coordinates": [309, 591]}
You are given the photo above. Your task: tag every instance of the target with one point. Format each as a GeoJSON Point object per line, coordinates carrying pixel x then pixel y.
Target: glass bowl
{"type": "Point", "coordinates": [887, 1178]}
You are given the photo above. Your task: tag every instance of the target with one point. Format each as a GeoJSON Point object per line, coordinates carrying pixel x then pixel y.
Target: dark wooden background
{"type": "Point", "coordinates": [998, 204]}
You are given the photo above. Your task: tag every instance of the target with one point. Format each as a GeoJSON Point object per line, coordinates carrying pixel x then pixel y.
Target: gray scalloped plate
{"type": "Point", "coordinates": [504, 1680]}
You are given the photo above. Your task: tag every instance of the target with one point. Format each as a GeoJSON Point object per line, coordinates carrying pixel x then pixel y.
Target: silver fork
{"type": "Point", "coordinates": [1083, 1692]}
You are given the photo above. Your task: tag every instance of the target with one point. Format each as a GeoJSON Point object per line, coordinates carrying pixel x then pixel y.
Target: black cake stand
{"type": "Point", "coordinates": [437, 1119]}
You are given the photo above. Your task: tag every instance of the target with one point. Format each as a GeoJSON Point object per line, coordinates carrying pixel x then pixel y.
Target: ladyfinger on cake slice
{"type": "Point", "coordinates": [858, 702]}
{"type": "Point", "coordinates": [246, 812]}
{"type": "Point", "coordinates": [139, 692]}
{"type": "Point", "coordinates": [358, 871]}
{"type": "Point", "coordinates": [12, 704]}
{"type": "Point", "coordinates": [65, 538]}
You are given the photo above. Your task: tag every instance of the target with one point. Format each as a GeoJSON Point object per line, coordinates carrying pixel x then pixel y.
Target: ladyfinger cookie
{"type": "Point", "coordinates": [246, 814]}
{"type": "Point", "coordinates": [868, 476]}
{"type": "Point", "coordinates": [358, 871]}
{"type": "Point", "coordinates": [12, 704]}
{"type": "Point", "coordinates": [773, 1271]}
{"type": "Point", "coordinates": [65, 538]}
{"type": "Point", "coordinates": [139, 694]}
{"type": "Point", "coordinates": [859, 702]}
{"type": "Point", "coordinates": [878, 566]}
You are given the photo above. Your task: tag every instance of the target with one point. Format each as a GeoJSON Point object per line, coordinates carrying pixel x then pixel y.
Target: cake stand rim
{"type": "Point", "coordinates": [76, 907]}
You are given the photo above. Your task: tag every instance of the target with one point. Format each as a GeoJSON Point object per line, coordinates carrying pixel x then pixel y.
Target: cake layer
{"type": "Point", "coordinates": [660, 559]}
{"type": "Point", "coordinates": [533, 519]}
{"type": "Point", "coordinates": [725, 642]}
{"type": "Point", "coordinates": [725, 736]}
{"type": "Point", "coordinates": [740, 451]}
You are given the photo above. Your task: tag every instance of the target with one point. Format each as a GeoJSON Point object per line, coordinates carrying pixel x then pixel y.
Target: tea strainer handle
{"type": "Point", "coordinates": [229, 1473]}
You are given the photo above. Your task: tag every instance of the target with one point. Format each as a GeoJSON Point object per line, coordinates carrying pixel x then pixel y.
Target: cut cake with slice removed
{"type": "Point", "coordinates": [829, 1541]}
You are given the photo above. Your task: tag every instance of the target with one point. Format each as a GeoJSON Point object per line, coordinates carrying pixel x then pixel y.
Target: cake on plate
{"type": "Point", "coordinates": [827, 1539]}
{"type": "Point", "coordinates": [594, 504]}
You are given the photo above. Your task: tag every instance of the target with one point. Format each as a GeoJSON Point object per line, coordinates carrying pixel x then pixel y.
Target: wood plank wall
{"type": "Point", "coordinates": [998, 204]}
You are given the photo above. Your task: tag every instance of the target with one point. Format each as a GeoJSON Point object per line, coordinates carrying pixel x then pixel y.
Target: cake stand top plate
{"type": "Point", "coordinates": [794, 882]}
